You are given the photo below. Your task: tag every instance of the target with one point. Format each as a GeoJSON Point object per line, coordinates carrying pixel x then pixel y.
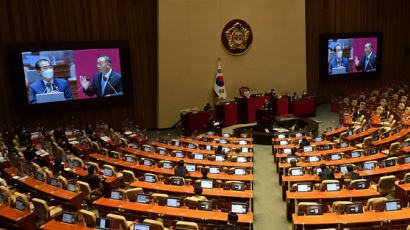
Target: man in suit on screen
{"type": "Point", "coordinates": [339, 61]}
{"type": "Point", "coordinates": [368, 62]}
{"type": "Point", "coordinates": [48, 83]}
{"type": "Point", "coordinates": [106, 82]}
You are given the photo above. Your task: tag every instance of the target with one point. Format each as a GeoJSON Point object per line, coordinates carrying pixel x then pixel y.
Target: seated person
{"type": "Point", "coordinates": [272, 92]}
{"type": "Point", "coordinates": [246, 93]}
{"type": "Point", "coordinates": [29, 153]}
{"type": "Point", "coordinates": [219, 151]}
{"type": "Point", "coordinates": [304, 95]}
{"type": "Point", "coordinates": [350, 174]}
{"type": "Point", "coordinates": [355, 114]}
{"type": "Point", "coordinates": [197, 196]}
{"type": "Point", "coordinates": [293, 163]}
{"type": "Point", "coordinates": [92, 180]}
{"type": "Point", "coordinates": [293, 153]}
{"type": "Point", "coordinates": [204, 172]}
{"type": "Point", "coordinates": [180, 170]}
{"type": "Point", "coordinates": [207, 107]}
{"type": "Point", "coordinates": [58, 167]}
{"type": "Point", "coordinates": [326, 174]}
{"type": "Point", "coordinates": [232, 223]}
{"type": "Point", "coordinates": [295, 96]}
{"type": "Point", "coordinates": [304, 143]}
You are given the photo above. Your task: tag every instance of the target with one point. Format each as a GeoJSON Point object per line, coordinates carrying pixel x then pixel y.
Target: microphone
{"type": "Point", "coordinates": [368, 60]}
{"type": "Point", "coordinates": [106, 79]}
{"type": "Point", "coordinates": [54, 84]}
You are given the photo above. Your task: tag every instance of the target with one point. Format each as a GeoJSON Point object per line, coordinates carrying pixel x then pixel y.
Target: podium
{"type": "Point", "coordinates": [283, 105]}
{"type": "Point", "coordinates": [247, 108]}
{"type": "Point", "coordinates": [193, 121]}
{"type": "Point", "coordinates": [227, 113]}
{"type": "Point", "coordinates": [265, 117]}
{"type": "Point", "coordinates": [304, 107]}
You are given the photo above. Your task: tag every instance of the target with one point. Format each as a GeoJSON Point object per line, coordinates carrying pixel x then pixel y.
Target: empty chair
{"type": "Point", "coordinates": [159, 198]}
{"type": "Point", "coordinates": [85, 189]}
{"type": "Point", "coordinates": [376, 204]}
{"type": "Point", "coordinates": [112, 168]}
{"type": "Point", "coordinates": [128, 177]}
{"type": "Point", "coordinates": [340, 206]}
{"type": "Point", "coordinates": [191, 202]}
{"type": "Point", "coordinates": [96, 166]}
{"type": "Point", "coordinates": [393, 150]}
{"type": "Point", "coordinates": [155, 224]}
{"type": "Point", "coordinates": [3, 182]}
{"type": "Point", "coordinates": [385, 184]}
{"type": "Point", "coordinates": [365, 142]}
{"type": "Point", "coordinates": [119, 222]}
{"type": "Point", "coordinates": [353, 183]}
{"type": "Point", "coordinates": [95, 147]}
{"type": "Point", "coordinates": [79, 160]}
{"type": "Point", "coordinates": [131, 194]}
{"type": "Point", "coordinates": [63, 181]}
{"type": "Point", "coordinates": [187, 225]}
{"type": "Point", "coordinates": [302, 206]}
{"type": "Point", "coordinates": [88, 217]}
{"type": "Point", "coordinates": [340, 139]}
{"type": "Point", "coordinates": [43, 211]}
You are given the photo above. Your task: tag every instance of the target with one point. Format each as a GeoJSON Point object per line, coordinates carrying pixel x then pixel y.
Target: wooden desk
{"type": "Point", "coordinates": [13, 218]}
{"type": "Point", "coordinates": [111, 182]}
{"type": "Point", "coordinates": [195, 121]}
{"type": "Point", "coordinates": [203, 151]}
{"type": "Point", "coordinates": [187, 189]}
{"type": "Point", "coordinates": [53, 224]}
{"type": "Point", "coordinates": [227, 113]}
{"type": "Point", "coordinates": [392, 138]}
{"type": "Point", "coordinates": [335, 132]}
{"type": "Point", "coordinates": [248, 139]}
{"type": "Point", "coordinates": [325, 142]}
{"type": "Point", "coordinates": [82, 150]}
{"type": "Point", "coordinates": [182, 212]}
{"type": "Point", "coordinates": [304, 107]}
{"type": "Point", "coordinates": [320, 152]}
{"type": "Point", "coordinates": [247, 108]}
{"type": "Point", "coordinates": [405, 149]}
{"type": "Point", "coordinates": [187, 160]}
{"type": "Point", "coordinates": [214, 144]}
{"type": "Point", "coordinates": [402, 192]}
{"type": "Point", "coordinates": [362, 134]}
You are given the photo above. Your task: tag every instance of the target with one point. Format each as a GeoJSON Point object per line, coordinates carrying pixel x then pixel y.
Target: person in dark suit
{"type": "Point", "coordinates": [48, 84]}
{"type": "Point", "coordinates": [207, 107]}
{"type": "Point", "coordinates": [326, 174]}
{"type": "Point", "coordinates": [266, 105]}
{"type": "Point", "coordinates": [106, 82]}
{"type": "Point", "coordinates": [181, 171]}
{"type": "Point", "coordinates": [232, 222]}
{"type": "Point", "coordinates": [210, 122]}
{"type": "Point", "coordinates": [93, 180]}
{"type": "Point", "coordinates": [368, 62]}
{"type": "Point", "coordinates": [339, 61]}
{"type": "Point", "coordinates": [304, 143]}
{"type": "Point", "coordinates": [351, 174]}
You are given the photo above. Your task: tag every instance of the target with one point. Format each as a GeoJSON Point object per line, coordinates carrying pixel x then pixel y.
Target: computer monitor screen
{"type": "Point", "coordinates": [372, 151]}
{"type": "Point", "coordinates": [107, 172]}
{"type": "Point", "coordinates": [283, 142]}
{"type": "Point", "coordinates": [134, 146]}
{"type": "Point", "coordinates": [116, 195]}
{"type": "Point", "coordinates": [238, 186]}
{"type": "Point", "coordinates": [177, 181]}
{"type": "Point", "coordinates": [304, 188]}
{"type": "Point", "coordinates": [296, 172]}
{"type": "Point", "coordinates": [173, 202]}
{"type": "Point", "coordinates": [208, 147]}
{"type": "Point", "coordinates": [223, 141]}
{"type": "Point", "coordinates": [142, 198]}
{"type": "Point", "coordinates": [162, 152]}
{"type": "Point", "coordinates": [54, 182]}
{"type": "Point", "coordinates": [129, 159]}
{"type": "Point", "coordinates": [179, 154]}
{"type": "Point", "coordinates": [407, 160]}
{"type": "Point", "coordinates": [406, 143]}
{"type": "Point", "coordinates": [344, 144]}
{"type": "Point", "coordinates": [362, 185]}
{"type": "Point", "coordinates": [354, 208]}
{"type": "Point", "coordinates": [314, 159]}
{"type": "Point", "coordinates": [335, 157]}
{"type": "Point", "coordinates": [327, 147]}
{"type": "Point", "coordinates": [205, 205]}
{"type": "Point", "coordinates": [331, 187]}
{"type": "Point", "coordinates": [281, 136]}
{"type": "Point", "coordinates": [318, 139]}
{"type": "Point", "coordinates": [147, 149]}
{"type": "Point", "coordinates": [312, 210]}
{"type": "Point", "coordinates": [205, 139]}
{"type": "Point", "coordinates": [328, 129]}
{"type": "Point", "coordinates": [226, 135]}
{"type": "Point", "coordinates": [343, 169]}
{"type": "Point", "coordinates": [245, 150]}
{"type": "Point", "coordinates": [211, 133]}
{"type": "Point", "coordinates": [141, 227]}
{"type": "Point", "coordinates": [214, 170]}
{"type": "Point", "coordinates": [103, 223]}
{"type": "Point", "coordinates": [298, 135]}
{"type": "Point", "coordinates": [389, 163]}
{"type": "Point", "coordinates": [360, 130]}
{"type": "Point", "coordinates": [219, 158]}
{"type": "Point", "coordinates": [20, 205]}
{"type": "Point", "coordinates": [68, 218]}
{"type": "Point", "coordinates": [190, 168]}
{"type": "Point", "coordinates": [76, 163]}
{"type": "Point", "coordinates": [176, 143]}
{"type": "Point", "coordinates": [240, 171]}
{"type": "Point", "coordinates": [1, 198]}
{"type": "Point", "coordinates": [244, 135]}
{"type": "Point", "coordinates": [386, 135]}
{"type": "Point", "coordinates": [355, 154]}
{"type": "Point", "coordinates": [318, 170]}
{"type": "Point", "coordinates": [307, 149]}
{"type": "Point", "coordinates": [350, 133]}
{"type": "Point", "coordinates": [40, 176]}
{"type": "Point", "coordinates": [287, 151]}
{"type": "Point", "coordinates": [191, 146]}
{"type": "Point", "coordinates": [147, 162]}
{"type": "Point", "coordinates": [339, 126]}
{"type": "Point", "coordinates": [198, 156]}
{"type": "Point", "coordinates": [393, 205]}
{"type": "Point", "coordinates": [241, 159]}
{"type": "Point", "coordinates": [115, 155]}
{"type": "Point", "coordinates": [208, 184]}
{"type": "Point", "coordinates": [71, 187]}
{"type": "Point", "coordinates": [226, 149]}
{"type": "Point", "coordinates": [28, 171]}
{"type": "Point", "coordinates": [239, 208]}
{"type": "Point", "coordinates": [368, 126]}
{"type": "Point", "coordinates": [243, 142]}
{"type": "Point", "coordinates": [167, 165]}
{"type": "Point", "coordinates": [376, 138]}
{"type": "Point", "coordinates": [149, 178]}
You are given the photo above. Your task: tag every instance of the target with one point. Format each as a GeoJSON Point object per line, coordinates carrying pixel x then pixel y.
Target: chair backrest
{"type": "Point", "coordinates": [63, 181]}
{"type": "Point", "coordinates": [401, 106]}
{"type": "Point", "coordinates": [96, 166]}
{"type": "Point", "coordinates": [159, 198]}
{"type": "Point", "coordinates": [79, 160]}
{"type": "Point", "coordinates": [407, 175]}
{"type": "Point", "coordinates": [367, 140]}
{"type": "Point", "coordinates": [386, 184]}
{"type": "Point", "coordinates": [88, 217]}
{"type": "Point", "coordinates": [131, 194]}
{"type": "Point", "coordinates": [41, 209]}
{"type": "Point", "coordinates": [85, 189]}
{"type": "Point", "coordinates": [187, 225]}
{"type": "Point", "coordinates": [118, 221]}
{"type": "Point", "coordinates": [191, 202]}
{"type": "Point", "coordinates": [5, 191]}
{"type": "Point", "coordinates": [394, 148]}
{"type": "Point", "coordinates": [302, 206]}
{"type": "Point", "coordinates": [375, 204]}
{"type": "Point", "coordinates": [110, 167]}
{"type": "Point", "coordinates": [177, 177]}
{"type": "Point", "coordinates": [95, 147]}
{"type": "Point", "coordinates": [128, 176]}
{"type": "Point", "coordinates": [340, 206]}
{"type": "Point", "coordinates": [3, 182]}
{"type": "Point", "coordinates": [354, 103]}
{"type": "Point", "coordinates": [154, 224]}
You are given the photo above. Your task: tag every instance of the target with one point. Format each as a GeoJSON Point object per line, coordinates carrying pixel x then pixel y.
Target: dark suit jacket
{"type": "Point", "coordinates": [371, 66]}
{"type": "Point", "coordinates": [114, 80]}
{"type": "Point", "coordinates": [326, 175]}
{"type": "Point", "coordinates": [345, 63]}
{"type": "Point", "coordinates": [61, 85]}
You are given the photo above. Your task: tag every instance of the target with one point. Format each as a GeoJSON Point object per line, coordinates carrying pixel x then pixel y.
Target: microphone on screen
{"type": "Point", "coordinates": [56, 87]}
{"type": "Point", "coordinates": [106, 79]}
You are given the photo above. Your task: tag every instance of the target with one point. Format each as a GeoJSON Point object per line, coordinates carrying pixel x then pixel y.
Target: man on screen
{"type": "Point", "coordinates": [339, 61]}
{"type": "Point", "coordinates": [368, 62]}
{"type": "Point", "coordinates": [48, 84]}
{"type": "Point", "coordinates": [106, 82]}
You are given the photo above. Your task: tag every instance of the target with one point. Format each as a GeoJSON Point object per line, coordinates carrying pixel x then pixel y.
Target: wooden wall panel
{"type": "Point", "coordinates": [348, 16]}
{"type": "Point", "coordinates": [78, 20]}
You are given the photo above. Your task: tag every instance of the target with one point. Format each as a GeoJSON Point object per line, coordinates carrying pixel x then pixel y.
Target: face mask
{"type": "Point", "coordinates": [48, 74]}
{"type": "Point", "coordinates": [339, 54]}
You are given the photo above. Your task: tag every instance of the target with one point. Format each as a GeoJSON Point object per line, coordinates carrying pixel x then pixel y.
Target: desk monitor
{"type": "Point", "coordinates": [167, 165]}
{"type": "Point", "coordinates": [54, 182]}
{"type": "Point", "coordinates": [318, 139]}
{"type": "Point", "coordinates": [162, 152]}
{"type": "Point", "coordinates": [198, 156]}
{"type": "Point", "coordinates": [19, 173]}
{"type": "Point", "coordinates": [350, 133]}
{"type": "Point", "coordinates": [226, 149]}
{"type": "Point", "coordinates": [372, 151]}
{"type": "Point", "coordinates": [312, 210]}
{"type": "Point", "coordinates": [142, 199]}
{"type": "Point", "coordinates": [296, 172]}
{"type": "Point", "coordinates": [40, 176]}
{"type": "Point", "coordinates": [344, 145]}
{"type": "Point", "coordinates": [205, 205]}
{"type": "Point", "coordinates": [298, 135]}
{"type": "Point", "coordinates": [355, 154]}
{"type": "Point", "coordinates": [211, 133]}
{"type": "Point", "coordinates": [406, 160]}
{"type": "Point", "coordinates": [190, 167]}
{"type": "Point", "coordinates": [214, 170]}
{"type": "Point", "coordinates": [134, 146]}
{"type": "Point", "coordinates": [71, 187]}
{"type": "Point", "coordinates": [327, 147]}
{"type": "Point", "coordinates": [394, 131]}
{"type": "Point", "coordinates": [359, 185]}
{"type": "Point", "coordinates": [335, 157]}
{"type": "Point", "coordinates": [1, 198]}
{"type": "Point", "coordinates": [241, 159]}
{"type": "Point", "coordinates": [191, 146]}
{"type": "Point", "coordinates": [318, 170]}
{"type": "Point", "coordinates": [223, 141]}
{"type": "Point", "coordinates": [314, 158]}
{"type": "Point", "coordinates": [226, 135]}
{"type": "Point", "coordinates": [283, 142]}
{"type": "Point", "coordinates": [280, 136]}
{"type": "Point", "coordinates": [76, 163]}
{"type": "Point", "coordinates": [360, 130]}
{"type": "Point", "coordinates": [239, 208]}
{"type": "Point", "coordinates": [328, 129]}
{"type": "Point", "coordinates": [369, 166]}
{"type": "Point", "coordinates": [332, 187]}
{"type": "Point", "coordinates": [304, 187]}
{"type": "Point", "coordinates": [287, 151]}
{"type": "Point", "coordinates": [310, 133]}
{"type": "Point", "coordinates": [103, 223]}
{"type": "Point", "coordinates": [339, 126]}
{"type": "Point", "coordinates": [20, 205]}
{"type": "Point", "coordinates": [238, 186]}
{"type": "Point", "coordinates": [28, 171]}
{"type": "Point", "coordinates": [173, 202]}
{"type": "Point", "coordinates": [243, 142]}
{"type": "Point", "coordinates": [386, 135]}
{"type": "Point", "coordinates": [245, 150]}
{"type": "Point", "coordinates": [64, 159]}
{"type": "Point", "coordinates": [129, 159]}
{"type": "Point", "coordinates": [115, 155]}
{"type": "Point", "coordinates": [393, 205]}
{"type": "Point", "coordinates": [176, 143]}
{"type": "Point", "coordinates": [219, 158]}
{"type": "Point", "coordinates": [368, 126]}
{"type": "Point", "coordinates": [343, 168]}
{"type": "Point", "coordinates": [208, 184]}
{"type": "Point", "coordinates": [108, 172]}
{"type": "Point", "coordinates": [147, 149]}
{"type": "Point", "coordinates": [354, 208]}
{"type": "Point", "coordinates": [408, 180]}
{"type": "Point", "coordinates": [307, 149]}
{"type": "Point", "coordinates": [208, 147]}
{"type": "Point", "coordinates": [177, 181]}
{"type": "Point", "coordinates": [116, 195]}
{"type": "Point", "coordinates": [68, 218]}
{"type": "Point", "coordinates": [406, 143]}
{"type": "Point", "coordinates": [376, 138]}
{"type": "Point", "coordinates": [240, 171]}
{"type": "Point", "coordinates": [149, 178]}
{"type": "Point", "coordinates": [139, 226]}
{"type": "Point", "coordinates": [389, 163]}
{"type": "Point", "coordinates": [205, 139]}
{"type": "Point", "coordinates": [147, 162]}
{"type": "Point", "coordinates": [179, 154]}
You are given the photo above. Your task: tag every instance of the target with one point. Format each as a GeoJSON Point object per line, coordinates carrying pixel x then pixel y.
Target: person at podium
{"type": "Point", "coordinates": [304, 95]}
{"type": "Point", "coordinates": [368, 62]}
{"type": "Point", "coordinates": [267, 105]}
{"type": "Point", "coordinates": [48, 84]}
{"type": "Point", "coordinates": [339, 64]}
{"type": "Point", "coordinates": [106, 81]}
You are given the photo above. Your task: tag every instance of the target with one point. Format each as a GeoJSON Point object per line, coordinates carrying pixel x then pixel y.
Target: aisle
{"type": "Point", "coordinates": [269, 209]}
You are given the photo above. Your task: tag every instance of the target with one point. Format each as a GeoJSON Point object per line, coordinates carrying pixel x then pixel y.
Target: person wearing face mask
{"type": "Point", "coordinates": [106, 82]}
{"type": "Point", "coordinates": [48, 83]}
{"type": "Point", "coordinates": [339, 61]}
{"type": "Point", "coordinates": [368, 62]}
